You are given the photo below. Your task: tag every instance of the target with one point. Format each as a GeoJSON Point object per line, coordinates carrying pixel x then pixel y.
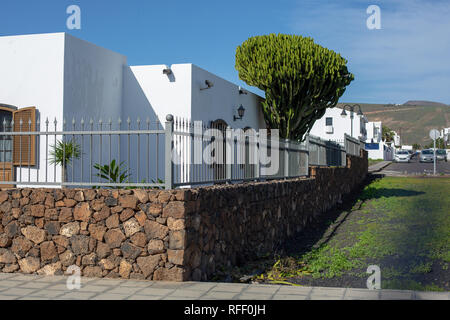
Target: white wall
{"type": "Point", "coordinates": [374, 134]}
{"type": "Point", "coordinates": [341, 125]}
{"type": "Point", "coordinates": [374, 131]}
{"type": "Point", "coordinates": [32, 69]}
{"type": "Point", "coordinates": [93, 84]}
{"type": "Point", "coordinates": [92, 81]}
{"type": "Point", "coordinates": [150, 93]}
{"type": "Point", "coordinates": [377, 154]}
{"type": "Point", "coordinates": [222, 101]}
{"type": "Point", "coordinates": [179, 94]}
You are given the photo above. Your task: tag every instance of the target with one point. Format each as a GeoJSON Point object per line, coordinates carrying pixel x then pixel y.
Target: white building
{"type": "Point", "coordinates": [62, 77]}
{"type": "Point", "coordinates": [445, 134]}
{"type": "Point", "coordinates": [333, 125]}
{"type": "Point", "coordinates": [397, 140]}
{"type": "Point", "coordinates": [374, 132]}
{"type": "Point", "coordinates": [375, 145]}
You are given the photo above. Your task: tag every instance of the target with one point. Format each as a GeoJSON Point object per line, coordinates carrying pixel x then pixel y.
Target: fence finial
{"type": "Point", "coordinates": [169, 117]}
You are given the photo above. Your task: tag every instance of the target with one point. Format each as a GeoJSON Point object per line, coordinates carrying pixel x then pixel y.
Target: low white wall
{"type": "Point", "coordinates": [376, 154]}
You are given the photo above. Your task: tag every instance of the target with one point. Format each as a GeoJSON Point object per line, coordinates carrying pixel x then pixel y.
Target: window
{"type": "Point", "coordinates": [5, 141]}
{"type": "Point", "coordinates": [13, 150]}
{"type": "Point", "coordinates": [24, 147]}
{"type": "Point", "coordinates": [20, 150]}
{"type": "Point", "coordinates": [329, 121]}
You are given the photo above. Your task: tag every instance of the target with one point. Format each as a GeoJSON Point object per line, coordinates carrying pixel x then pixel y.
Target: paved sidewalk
{"type": "Point", "coordinates": [379, 166]}
{"type": "Point", "coordinates": [29, 287]}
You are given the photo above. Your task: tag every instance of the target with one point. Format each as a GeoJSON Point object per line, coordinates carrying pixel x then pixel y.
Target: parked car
{"type": "Point", "coordinates": [441, 155]}
{"type": "Point", "coordinates": [427, 155]}
{"type": "Point", "coordinates": [402, 156]}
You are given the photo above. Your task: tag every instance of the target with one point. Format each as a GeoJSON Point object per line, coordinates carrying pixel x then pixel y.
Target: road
{"type": "Point", "coordinates": [416, 168]}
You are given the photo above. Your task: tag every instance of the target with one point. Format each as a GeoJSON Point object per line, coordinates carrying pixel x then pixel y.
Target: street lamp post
{"type": "Point", "coordinates": [351, 108]}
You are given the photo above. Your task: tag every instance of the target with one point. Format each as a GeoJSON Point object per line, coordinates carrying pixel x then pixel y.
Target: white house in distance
{"type": "Point", "coordinates": [375, 146]}
{"type": "Point", "coordinates": [397, 140]}
{"type": "Point", "coordinates": [334, 125]}
{"type": "Point", "coordinates": [58, 76]}
{"type": "Point", "coordinates": [445, 134]}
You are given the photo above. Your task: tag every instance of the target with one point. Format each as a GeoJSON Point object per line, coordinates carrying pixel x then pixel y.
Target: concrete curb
{"type": "Point", "coordinates": [379, 166]}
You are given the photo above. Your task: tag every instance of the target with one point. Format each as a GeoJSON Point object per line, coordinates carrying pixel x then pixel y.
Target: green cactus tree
{"type": "Point", "coordinates": [301, 79]}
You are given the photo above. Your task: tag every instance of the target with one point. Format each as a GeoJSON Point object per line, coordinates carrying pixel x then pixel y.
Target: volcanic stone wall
{"type": "Point", "coordinates": [173, 235]}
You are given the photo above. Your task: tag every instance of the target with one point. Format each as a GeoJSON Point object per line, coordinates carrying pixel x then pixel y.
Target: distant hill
{"type": "Point", "coordinates": [412, 121]}
{"type": "Point", "coordinates": [425, 104]}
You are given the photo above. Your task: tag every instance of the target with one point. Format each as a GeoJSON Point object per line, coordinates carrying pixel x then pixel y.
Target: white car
{"type": "Point", "coordinates": [402, 156]}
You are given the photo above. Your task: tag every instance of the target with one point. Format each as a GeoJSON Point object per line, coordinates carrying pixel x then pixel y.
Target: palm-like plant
{"type": "Point", "coordinates": [62, 153]}
{"type": "Point", "coordinates": [387, 134]}
{"type": "Point", "coordinates": [113, 172]}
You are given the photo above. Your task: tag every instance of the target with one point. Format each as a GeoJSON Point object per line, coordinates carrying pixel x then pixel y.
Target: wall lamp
{"type": "Point", "coordinates": [242, 91]}
{"type": "Point", "coordinates": [167, 71]}
{"type": "Point", "coordinates": [208, 84]}
{"type": "Point", "coordinates": [241, 112]}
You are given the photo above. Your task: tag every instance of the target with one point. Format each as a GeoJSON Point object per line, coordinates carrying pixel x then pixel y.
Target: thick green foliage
{"type": "Point", "coordinates": [301, 79]}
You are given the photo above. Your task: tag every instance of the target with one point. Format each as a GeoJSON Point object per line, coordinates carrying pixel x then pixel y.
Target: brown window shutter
{"type": "Point", "coordinates": [24, 147]}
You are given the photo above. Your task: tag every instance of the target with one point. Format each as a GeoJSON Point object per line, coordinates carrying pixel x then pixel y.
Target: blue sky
{"type": "Point", "coordinates": [408, 59]}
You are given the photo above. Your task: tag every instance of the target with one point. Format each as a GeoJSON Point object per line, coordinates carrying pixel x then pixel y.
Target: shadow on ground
{"type": "Point", "coordinates": [314, 235]}
{"type": "Point", "coordinates": [319, 232]}
{"type": "Point", "coordinates": [407, 246]}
